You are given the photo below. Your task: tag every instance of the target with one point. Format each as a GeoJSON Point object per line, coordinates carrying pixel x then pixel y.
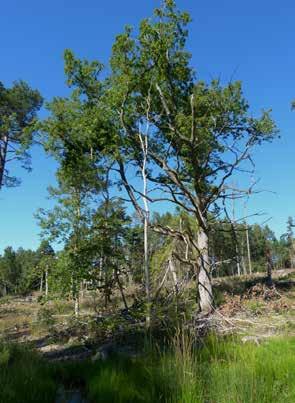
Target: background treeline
{"type": "Point", "coordinates": [110, 257]}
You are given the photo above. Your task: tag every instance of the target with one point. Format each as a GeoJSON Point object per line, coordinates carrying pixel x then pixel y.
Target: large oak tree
{"type": "Point", "coordinates": [151, 115]}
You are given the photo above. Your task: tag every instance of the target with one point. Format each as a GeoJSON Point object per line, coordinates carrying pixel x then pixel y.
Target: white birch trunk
{"type": "Point", "coordinates": [248, 250]}
{"type": "Point", "coordinates": [236, 239]}
{"type": "Point", "coordinates": [144, 145]}
{"type": "Point", "coordinates": [173, 273]}
{"type": "Point", "coordinates": [41, 283]}
{"type": "Point", "coordinates": [77, 305]}
{"type": "Point", "coordinates": [46, 282]}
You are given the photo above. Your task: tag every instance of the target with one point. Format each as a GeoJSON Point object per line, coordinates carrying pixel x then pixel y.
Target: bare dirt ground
{"type": "Point", "coordinates": [51, 328]}
{"type": "Point", "coordinates": [245, 306]}
{"type": "Point", "coordinates": [48, 327]}
{"type": "Point", "coordinates": [253, 309]}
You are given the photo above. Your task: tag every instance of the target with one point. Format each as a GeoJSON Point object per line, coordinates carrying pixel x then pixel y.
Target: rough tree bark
{"type": "Point", "coordinates": [3, 153]}
{"type": "Point", "coordinates": [121, 289]}
{"type": "Point", "coordinates": [173, 273]}
{"type": "Point", "coordinates": [204, 274]}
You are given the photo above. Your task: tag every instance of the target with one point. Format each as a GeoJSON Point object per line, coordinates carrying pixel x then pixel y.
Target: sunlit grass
{"type": "Point", "coordinates": [211, 371]}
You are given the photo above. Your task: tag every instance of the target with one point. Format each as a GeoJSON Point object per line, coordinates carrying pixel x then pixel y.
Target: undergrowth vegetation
{"type": "Point", "coordinates": [213, 370]}
{"type": "Point", "coordinates": [24, 377]}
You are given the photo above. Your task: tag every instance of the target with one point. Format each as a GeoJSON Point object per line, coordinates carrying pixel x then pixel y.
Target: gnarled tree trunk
{"type": "Point", "coordinates": [204, 274]}
{"type": "Point", "coordinates": [3, 153]}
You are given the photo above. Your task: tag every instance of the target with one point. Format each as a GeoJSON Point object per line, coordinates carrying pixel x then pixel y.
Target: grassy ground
{"type": "Point", "coordinates": [254, 362]}
{"type": "Point", "coordinates": [219, 371]}
{"type": "Point", "coordinates": [24, 376]}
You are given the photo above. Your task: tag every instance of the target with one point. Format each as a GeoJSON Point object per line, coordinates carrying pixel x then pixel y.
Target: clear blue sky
{"type": "Point", "coordinates": [252, 41]}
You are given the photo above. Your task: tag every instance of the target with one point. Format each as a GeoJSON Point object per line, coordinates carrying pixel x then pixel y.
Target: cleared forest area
{"type": "Point", "coordinates": [247, 347]}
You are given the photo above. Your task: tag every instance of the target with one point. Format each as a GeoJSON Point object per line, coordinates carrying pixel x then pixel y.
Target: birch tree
{"type": "Point", "coordinates": [143, 138]}
{"type": "Point", "coordinates": [45, 254]}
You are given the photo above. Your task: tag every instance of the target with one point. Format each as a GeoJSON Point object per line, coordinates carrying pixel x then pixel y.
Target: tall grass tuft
{"type": "Point", "coordinates": [24, 377]}
{"type": "Point", "coordinates": [212, 370]}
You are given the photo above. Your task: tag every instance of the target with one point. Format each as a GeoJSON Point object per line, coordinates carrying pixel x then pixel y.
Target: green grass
{"type": "Point", "coordinates": [24, 377]}
{"type": "Point", "coordinates": [217, 371]}
{"type": "Point", "coordinates": [231, 372]}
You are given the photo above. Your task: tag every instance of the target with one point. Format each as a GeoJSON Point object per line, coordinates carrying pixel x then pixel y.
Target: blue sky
{"type": "Point", "coordinates": [250, 41]}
